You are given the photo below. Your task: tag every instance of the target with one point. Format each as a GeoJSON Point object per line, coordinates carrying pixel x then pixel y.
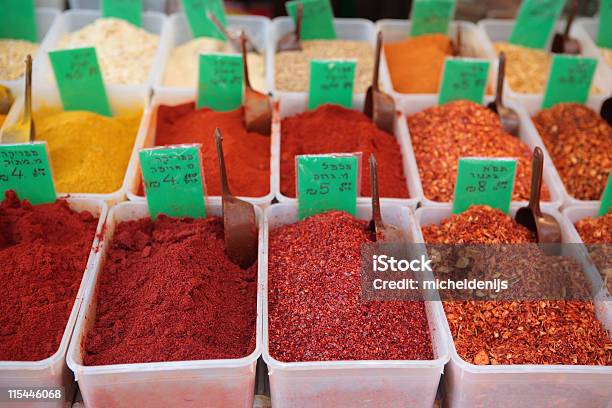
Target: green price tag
{"type": "Point", "coordinates": [331, 81]}
{"type": "Point", "coordinates": [18, 20]}
{"type": "Point", "coordinates": [201, 26]}
{"type": "Point", "coordinates": [128, 10]}
{"type": "Point", "coordinates": [606, 198]}
{"type": "Point", "coordinates": [327, 182]}
{"type": "Point", "coordinates": [431, 16]}
{"type": "Point", "coordinates": [25, 169]}
{"type": "Point", "coordinates": [220, 82]}
{"type": "Point", "coordinates": [79, 80]}
{"type": "Point", "coordinates": [484, 181]}
{"type": "Point", "coordinates": [463, 79]}
{"type": "Point", "coordinates": [173, 181]}
{"type": "Point", "coordinates": [535, 22]}
{"type": "Point", "coordinates": [569, 80]}
{"type": "Point", "coordinates": [317, 19]}
{"type": "Point", "coordinates": [604, 32]}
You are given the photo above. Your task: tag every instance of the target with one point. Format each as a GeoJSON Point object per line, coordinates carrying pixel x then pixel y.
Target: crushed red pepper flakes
{"type": "Point", "coordinates": [315, 308]}
{"type": "Point", "coordinates": [334, 129]}
{"type": "Point", "coordinates": [596, 232]}
{"type": "Point", "coordinates": [442, 134]}
{"type": "Point", "coordinates": [580, 145]}
{"type": "Point", "coordinates": [517, 332]}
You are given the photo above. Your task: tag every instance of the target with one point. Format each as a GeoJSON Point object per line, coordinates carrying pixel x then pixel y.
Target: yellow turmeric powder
{"type": "Point", "coordinates": [416, 64]}
{"type": "Point", "coordinates": [89, 153]}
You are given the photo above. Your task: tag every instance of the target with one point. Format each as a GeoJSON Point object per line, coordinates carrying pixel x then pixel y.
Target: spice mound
{"type": "Point", "coordinates": [441, 135]}
{"type": "Point", "coordinates": [415, 64]}
{"type": "Point", "coordinates": [580, 144]}
{"type": "Point", "coordinates": [182, 69]}
{"type": "Point", "coordinates": [43, 254]}
{"type": "Point", "coordinates": [125, 52]}
{"type": "Point", "coordinates": [12, 55]}
{"type": "Point", "coordinates": [293, 67]}
{"type": "Point", "coordinates": [247, 154]}
{"type": "Point", "coordinates": [334, 129]}
{"type": "Point", "coordinates": [526, 68]}
{"type": "Point", "coordinates": [517, 332]}
{"type": "Point", "coordinates": [168, 292]}
{"type": "Point", "coordinates": [315, 308]}
{"type": "Point", "coordinates": [89, 152]}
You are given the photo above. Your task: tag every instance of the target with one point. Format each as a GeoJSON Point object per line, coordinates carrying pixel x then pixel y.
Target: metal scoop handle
{"type": "Point", "coordinates": [225, 189]}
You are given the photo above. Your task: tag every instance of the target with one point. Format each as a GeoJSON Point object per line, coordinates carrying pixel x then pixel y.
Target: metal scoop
{"type": "Point", "coordinates": [257, 106]}
{"type": "Point", "coordinates": [239, 222]}
{"type": "Point", "coordinates": [562, 42]}
{"type": "Point", "coordinates": [291, 41]}
{"type": "Point", "coordinates": [383, 233]}
{"type": "Point", "coordinates": [23, 130]}
{"type": "Point", "coordinates": [6, 100]}
{"type": "Point", "coordinates": [233, 39]}
{"type": "Point", "coordinates": [509, 119]}
{"type": "Point", "coordinates": [379, 106]}
{"type": "Point", "coordinates": [546, 228]}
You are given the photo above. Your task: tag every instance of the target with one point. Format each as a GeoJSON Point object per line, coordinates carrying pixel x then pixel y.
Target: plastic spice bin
{"type": "Point", "coordinates": [590, 48]}
{"type": "Point", "coordinates": [567, 386]}
{"type": "Point", "coordinates": [74, 20]}
{"type": "Point", "coordinates": [355, 29]}
{"type": "Point", "coordinates": [45, 18]}
{"type": "Point", "coordinates": [53, 372]}
{"type": "Point", "coordinates": [200, 383]}
{"type": "Point", "coordinates": [411, 105]}
{"type": "Point", "coordinates": [473, 45]}
{"type": "Point", "coordinates": [151, 5]}
{"type": "Point", "coordinates": [120, 100]}
{"type": "Point", "coordinates": [525, 115]}
{"type": "Point", "coordinates": [147, 136]}
{"type": "Point", "coordinates": [291, 104]}
{"type": "Point", "coordinates": [337, 384]}
{"type": "Point", "coordinates": [178, 33]}
{"type": "Point", "coordinates": [500, 30]}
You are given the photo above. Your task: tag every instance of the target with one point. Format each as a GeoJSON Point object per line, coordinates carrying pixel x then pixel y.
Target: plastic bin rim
{"type": "Point", "coordinates": [282, 19]}
{"type": "Point", "coordinates": [98, 13]}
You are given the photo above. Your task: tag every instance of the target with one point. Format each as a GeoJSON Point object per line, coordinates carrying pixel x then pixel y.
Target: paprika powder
{"type": "Point", "coordinates": [334, 129]}
{"type": "Point", "coordinates": [168, 292]}
{"type": "Point", "coordinates": [43, 254]}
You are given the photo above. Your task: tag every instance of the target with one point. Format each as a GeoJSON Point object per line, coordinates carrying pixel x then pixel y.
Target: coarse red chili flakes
{"type": "Point", "coordinates": [315, 308]}
{"type": "Point", "coordinates": [517, 332]}
{"type": "Point", "coordinates": [442, 134]}
{"type": "Point", "coordinates": [596, 233]}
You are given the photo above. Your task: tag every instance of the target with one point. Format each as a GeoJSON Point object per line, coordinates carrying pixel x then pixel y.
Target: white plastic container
{"type": "Point", "coordinates": [200, 383]}
{"type": "Point", "coordinates": [178, 33]}
{"type": "Point", "coordinates": [353, 384]}
{"type": "Point", "coordinates": [589, 27]}
{"type": "Point", "coordinates": [74, 20]}
{"type": "Point", "coordinates": [355, 29]}
{"type": "Point", "coordinates": [500, 30]}
{"type": "Point", "coordinates": [520, 385]}
{"type": "Point", "coordinates": [120, 100]}
{"type": "Point", "coordinates": [525, 115]}
{"type": "Point", "coordinates": [53, 372]}
{"type": "Point", "coordinates": [473, 44]}
{"type": "Point", "coordinates": [291, 104]}
{"type": "Point", "coordinates": [150, 5]}
{"type": "Point", "coordinates": [147, 139]}
{"type": "Point", "coordinates": [45, 18]}
{"type": "Point", "coordinates": [412, 105]}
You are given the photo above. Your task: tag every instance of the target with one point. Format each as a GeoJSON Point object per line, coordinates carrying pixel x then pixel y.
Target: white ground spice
{"type": "Point", "coordinates": [183, 65]}
{"type": "Point", "coordinates": [292, 68]}
{"type": "Point", "coordinates": [12, 58]}
{"type": "Point", "coordinates": [125, 52]}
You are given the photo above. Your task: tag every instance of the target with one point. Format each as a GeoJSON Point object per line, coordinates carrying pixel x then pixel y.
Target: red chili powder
{"type": "Point", "coordinates": [247, 154]}
{"type": "Point", "coordinates": [334, 129]}
{"type": "Point", "coordinates": [167, 292]}
{"type": "Point", "coordinates": [43, 254]}
{"type": "Point", "coordinates": [315, 308]}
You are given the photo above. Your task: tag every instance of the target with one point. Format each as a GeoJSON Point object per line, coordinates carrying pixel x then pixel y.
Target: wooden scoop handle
{"type": "Point", "coordinates": [501, 73]}
{"type": "Point", "coordinates": [379, 43]}
{"type": "Point", "coordinates": [537, 168]}
{"type": "Point", "coordinates": [245, 68]}
{"type": "Point", "coordinates": [570, 19]}
{"type": "Point", "coordinates": [224, 183]}
{"type": "Point", "coordinates": [299, 13]}
{"type": "Point", "coordinates": [376, 214]}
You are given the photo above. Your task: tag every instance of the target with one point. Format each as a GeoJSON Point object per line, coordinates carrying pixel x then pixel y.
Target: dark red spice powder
{"type": "Point", "coordinates": [167, 292]}
{"type": "Point", "coordinates": [334, 129]}
{"type": "Point", "coordinates": [315, 308]}
{"type": "Point", "coordinates": [247, 154]}
{"type": "Point", "coordinates": [43, 254]}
